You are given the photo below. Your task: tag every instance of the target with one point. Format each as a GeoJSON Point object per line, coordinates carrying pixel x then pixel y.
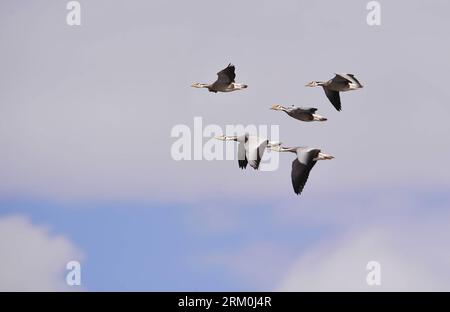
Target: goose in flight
{"type": "Point", "coordinates": [340, 83]}
{"type": "Point", "coordinates": [250, 149]}
{"type": "Point", "coordinates": [224, 83]}
{"type": "Point", "coordinates": [302, 165]}
{"type": "Point", "coordinates": [300, 113]}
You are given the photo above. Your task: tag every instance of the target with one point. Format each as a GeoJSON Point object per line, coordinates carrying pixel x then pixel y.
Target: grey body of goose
{"type": "Point", "coordinates": [224, 83]}
{"type": "Point", "coordinates": [250, 149]}
{"type": "Point", "coordinates": [340, 83]}
{"type": "Point", "coordinates": [302, 164]}
{"type": "Point", "coordinates": [300, 113]}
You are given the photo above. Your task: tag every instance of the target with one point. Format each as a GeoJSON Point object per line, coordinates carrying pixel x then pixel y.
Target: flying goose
{"type": "Point", "coordinates": [224, 83]}
{"type": "Point", "coordinates": [340, 83]}
{"type": "Point", "coordinates": [250, 149]}
{"type": "Point", "coordinates": [302, 165]}
{"type": "Point", "coordinates": [300, 113]}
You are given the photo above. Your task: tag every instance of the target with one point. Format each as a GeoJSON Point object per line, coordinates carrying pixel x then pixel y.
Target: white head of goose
{"type": "Point", "coordinates": [340, 83]}
{"type": "Point", "coordinates": [300, 113]}
{"type": "Point", "coordinates": [224, 83]}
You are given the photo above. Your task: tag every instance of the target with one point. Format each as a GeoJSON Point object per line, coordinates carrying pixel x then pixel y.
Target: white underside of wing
{"type": "Point", "coordinates": [303, 156]}
{"type": "Point", "coordinates": [253, 146]}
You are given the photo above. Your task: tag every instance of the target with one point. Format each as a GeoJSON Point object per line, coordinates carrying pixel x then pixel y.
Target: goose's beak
{"type": "Point", "coordinates": [220, 137]}
{"type": "Point", "coordinates": [323, 156]}
{"type": "Point", "coordinates": [274, 145]}
{"type": "Point", "coordinates": [275, 148]}
{"type": "Point", "coordinates": [274, 107]}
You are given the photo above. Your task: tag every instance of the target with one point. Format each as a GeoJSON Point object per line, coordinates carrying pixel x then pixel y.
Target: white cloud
{"type": "Point", "coordinates": [31, 258]}
{"type": "Point", "coordinates": [406, 236]}
{"type": "Point", "coordinates": [341, 266]}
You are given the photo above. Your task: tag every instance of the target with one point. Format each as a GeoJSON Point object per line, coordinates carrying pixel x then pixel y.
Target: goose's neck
{"type": "Point", "coordinates": [201, 85]}
{"type": "Point", "coordinates": [290, 149]}
{"type": "Point", "coordinates": [282, 149]}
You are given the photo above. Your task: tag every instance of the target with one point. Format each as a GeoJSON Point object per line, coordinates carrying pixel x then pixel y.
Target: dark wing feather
{"type": "Point", "coordinates": [300, 171]}
{"type": "Point", "coordinates": [338, 78]}
{"type": "Point", "coordinates": [302, 113]}
{"type": "Point", "coordinates": [227, 75]}
{"type": "Point", "coordinates": [354, 78]}
{"type": "Point", "coordinates": [334, 98]}
{"type": "Point", "coordinates": [242, 158]}
{"type": "Point", "coordinates": [309, 110]}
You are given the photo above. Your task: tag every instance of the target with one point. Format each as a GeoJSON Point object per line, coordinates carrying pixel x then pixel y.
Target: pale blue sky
{"type": "Point", "coordinates": [85, 120]}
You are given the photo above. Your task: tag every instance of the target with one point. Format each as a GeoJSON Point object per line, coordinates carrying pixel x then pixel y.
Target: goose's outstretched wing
{"type": "Point", "coordinates": [227, 75]}
{"type": "Point", "coordinates": [349, 78]}
{"type": "Point", "coordinates": [242, 157]}
{"type": "Point", "coordinates": [302, 113]}
{"type": "Point", "coordinates": [301, 167]}
{"type": "Point", "coordinates": [308, 110]}
{"type": "Point", "coordinates": [255, 150]}
{"type": "Point", "coordinates": [334, 98]}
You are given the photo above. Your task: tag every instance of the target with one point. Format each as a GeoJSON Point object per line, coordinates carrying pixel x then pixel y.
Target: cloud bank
{"type": "Point", "coordinates": [31, 258]}
{"type": "Point", "coordinates": [406, 265]}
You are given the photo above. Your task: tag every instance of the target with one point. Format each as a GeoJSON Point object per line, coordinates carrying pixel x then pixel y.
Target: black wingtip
{"type": "Point", "coordinates": [337, 106]}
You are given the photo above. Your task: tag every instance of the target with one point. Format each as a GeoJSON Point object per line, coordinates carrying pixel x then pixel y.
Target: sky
{"type": "Point", "coordinates": [86, 171]}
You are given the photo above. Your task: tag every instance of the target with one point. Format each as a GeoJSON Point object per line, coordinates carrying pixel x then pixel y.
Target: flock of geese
{"type": "Point", "coordinates": [251, 148]}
